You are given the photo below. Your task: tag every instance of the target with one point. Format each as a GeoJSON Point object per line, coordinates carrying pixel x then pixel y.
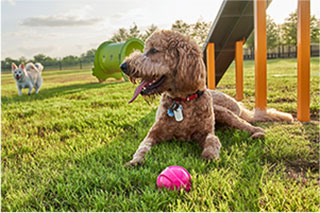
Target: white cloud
{"type": "Point", "coordinates": [74, 17]}
{"type": "Point", "coordinates": [74, 26]}
{"type": "Point", "coordinates": [58, 21]}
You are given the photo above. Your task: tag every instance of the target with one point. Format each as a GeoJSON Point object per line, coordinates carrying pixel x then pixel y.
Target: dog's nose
{"type": "Point", "coordinates": [124, 68]}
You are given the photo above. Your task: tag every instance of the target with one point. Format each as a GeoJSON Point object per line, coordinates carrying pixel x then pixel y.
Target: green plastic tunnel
{"type": "Point", "coordinates": [110, 55]}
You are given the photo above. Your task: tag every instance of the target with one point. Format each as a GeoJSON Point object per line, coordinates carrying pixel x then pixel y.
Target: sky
{"type": "Point", "coordinates": [58, 28]}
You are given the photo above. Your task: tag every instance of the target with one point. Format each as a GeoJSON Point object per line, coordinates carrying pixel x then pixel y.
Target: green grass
{"type": "Point", "coordinates": [65, 149]}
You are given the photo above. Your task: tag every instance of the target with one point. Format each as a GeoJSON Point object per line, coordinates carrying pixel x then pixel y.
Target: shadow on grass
{"type": "Point", "coordinates": [100, 181]}
{"type": "Point", "coordinates": [55, 91]}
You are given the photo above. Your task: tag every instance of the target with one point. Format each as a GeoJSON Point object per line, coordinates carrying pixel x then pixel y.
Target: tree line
{"type": "Point", "coordinates": [48, 61]}
{"type": "Point", "coordinates": [277, 34]}
{"type": "Point", "coordinates": [286, 33]}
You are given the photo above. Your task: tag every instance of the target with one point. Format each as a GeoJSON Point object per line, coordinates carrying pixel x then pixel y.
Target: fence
{"type": "Point", "coordinates": [248, 54]}
{"type": "Point", "coordinates": [59, 66]}
{"type": "Point", "coordinates": [77, 66]}
{"type": "Point", "coordinates": [283, 51]}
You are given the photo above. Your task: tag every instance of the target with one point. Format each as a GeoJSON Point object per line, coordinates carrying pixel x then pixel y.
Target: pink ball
{"type": "Point", "coordinates": [174, 178]}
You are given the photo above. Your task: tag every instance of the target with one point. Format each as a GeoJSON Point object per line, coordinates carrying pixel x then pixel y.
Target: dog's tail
{"type": "Point", "coordinates": [39, 67]}
{"type": "Point", "coordinates": [268, 115]}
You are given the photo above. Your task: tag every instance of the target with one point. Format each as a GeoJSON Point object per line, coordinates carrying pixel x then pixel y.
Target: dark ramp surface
{"type": "Point", "coordinates": [234, 22]}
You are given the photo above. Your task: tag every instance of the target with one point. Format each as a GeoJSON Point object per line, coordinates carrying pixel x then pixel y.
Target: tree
{"type": "Point", "coordinates": [151, 29]}
{"type": "Point", "coordinates": [70, 60]}
{"type": "Point", "coordinates": [273, 35]}
{"type": "Point", "coordinates": [200, 31]}
{"type": "Point", "coordinates": [181, 27]}
{"type": "Point", "coordinates": [197, 31]}
{"type": "Point", "coordinates": [134, 31]}
{"type": "Point", "coordinates": [48, 61]}
{"type": "Point", "coordinates": [40, 58]}
{"type": "Point", "coordinates": [314, 29]}
{"type": "Point", "coordinates": [22, 59]}
{"type": "Point", "coordinates": [250, 41]}
{"type": "Point", "coordinates": [6, 63]}
{"type": "Point", "coordinates": [121, 35]}
{"type": "Point", "coordinates": [289, 29]}
{"type": "Point", "coordinates": [88, 56]}
{"type": "Point", "coordinates": [124, 34]}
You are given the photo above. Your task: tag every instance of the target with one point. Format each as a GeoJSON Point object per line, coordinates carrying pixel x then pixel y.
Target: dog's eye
{"type": "Point", "coordinates": [153, 51]}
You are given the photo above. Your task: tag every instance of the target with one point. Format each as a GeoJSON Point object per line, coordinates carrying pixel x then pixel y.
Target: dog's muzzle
{"type": "Point", "coordinates": [124, 68]}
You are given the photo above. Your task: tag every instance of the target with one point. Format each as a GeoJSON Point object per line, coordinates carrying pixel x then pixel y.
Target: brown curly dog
{"type": "Point", "coordinates": [172, 65]}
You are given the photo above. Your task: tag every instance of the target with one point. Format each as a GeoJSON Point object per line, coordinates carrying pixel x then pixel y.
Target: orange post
{"type": "Point", "coordinates": [239, 70]}
{"type": "Point", "coordinates": [260, 36]}
{"type": "Point", "coordinates": [211, 66]}
{"type": "Point", "coordinates": [303, 59]}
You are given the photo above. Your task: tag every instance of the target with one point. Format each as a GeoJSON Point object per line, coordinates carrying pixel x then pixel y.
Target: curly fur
{"type": "Point", "coordinates": [179, 60]}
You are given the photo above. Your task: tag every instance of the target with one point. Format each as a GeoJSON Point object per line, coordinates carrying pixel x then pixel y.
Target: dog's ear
{"type": "Point", "coordinates": [190, 68]}
{"type": "Point", "coordinates": [13, 67]}
{"type": "Point", "coordinates": [21, 66]}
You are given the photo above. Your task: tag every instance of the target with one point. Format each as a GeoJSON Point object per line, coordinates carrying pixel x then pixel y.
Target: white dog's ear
{"type": "Point", "coordinates": [21, 66]}
{"type": "Point", "coordinates": [13, 67]}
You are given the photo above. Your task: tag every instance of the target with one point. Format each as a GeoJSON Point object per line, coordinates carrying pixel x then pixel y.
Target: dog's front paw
{"type": "Point", "coordinates": [259, 133]}
{"type": "Point", "coordinates": [210, 153]}
{"type": "Point", "coordinates": [134, 162]}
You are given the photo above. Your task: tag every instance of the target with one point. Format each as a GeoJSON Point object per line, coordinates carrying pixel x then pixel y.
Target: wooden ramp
{"type": "Point", "coordinates": [234, 22]}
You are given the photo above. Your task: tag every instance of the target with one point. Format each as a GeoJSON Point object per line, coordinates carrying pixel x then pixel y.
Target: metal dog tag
{"type": "Point", "coordinates": [172, 108]}
{"type": "Point", "coordinates": [178, 113]}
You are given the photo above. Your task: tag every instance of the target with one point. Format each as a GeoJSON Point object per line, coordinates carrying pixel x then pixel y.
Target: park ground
{"type": "Point", "coordinates": [65, 149]}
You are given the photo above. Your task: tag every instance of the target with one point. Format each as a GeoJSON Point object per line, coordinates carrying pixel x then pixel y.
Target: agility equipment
{"type": "Point", "coordinates": [109, 56]}
{"type": "Point", "coordinates": [234, 23]}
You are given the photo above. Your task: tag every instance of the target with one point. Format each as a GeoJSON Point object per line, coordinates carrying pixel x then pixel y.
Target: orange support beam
{"type": "Point", "coordinates": [211, 67]}
{"type": "Point", "coordinates": [303, 59]}
{"type": "Point", "coordinates": [260, 36]}
{"type": "Point", "coordinates": [239, 70]}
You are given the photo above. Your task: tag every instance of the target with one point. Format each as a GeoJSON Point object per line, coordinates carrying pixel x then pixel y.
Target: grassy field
{"type": "Point", "coordinates": [65, 149]}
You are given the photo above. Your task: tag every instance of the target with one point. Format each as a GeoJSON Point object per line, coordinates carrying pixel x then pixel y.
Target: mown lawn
{"type": "Point", "coordinates": [65, 149]}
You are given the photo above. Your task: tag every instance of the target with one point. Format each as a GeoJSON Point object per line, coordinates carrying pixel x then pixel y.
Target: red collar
{"type": "Point", "coordinates": [190, 97]}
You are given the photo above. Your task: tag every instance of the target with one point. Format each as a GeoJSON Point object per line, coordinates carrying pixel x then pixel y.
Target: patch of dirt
{"type": "Point", "coordinates": [297, 170]}
{"type": "Point", "coordinates": [280, 100]}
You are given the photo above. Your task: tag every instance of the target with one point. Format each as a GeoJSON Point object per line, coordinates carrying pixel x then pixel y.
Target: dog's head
{"type": "Point", "coordinates": [171, 63]}
{"type": "Point", "coordinates": [18, 72]}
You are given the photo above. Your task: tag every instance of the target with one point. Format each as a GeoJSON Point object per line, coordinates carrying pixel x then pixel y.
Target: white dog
{"type": "Point", "coordinates": [27, 77]}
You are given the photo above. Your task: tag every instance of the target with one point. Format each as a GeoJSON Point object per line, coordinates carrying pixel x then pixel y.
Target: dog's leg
{"type": "Point", "coordinates": [154, 136]}
{"type": "Point", "coordinates": [30, 89]}
{"type": "Point", "coordinates": [38, 85]}
{"type": "Point", "coordinates": [211, 147]}
{"type": "Point", "coordinates": [223, 115]}
{"type": "Point", "coordinates": [19, 90]}
{"type": "Point", "coordinates": [144, 147]}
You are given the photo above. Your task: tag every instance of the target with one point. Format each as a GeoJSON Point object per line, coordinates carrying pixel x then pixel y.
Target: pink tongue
{"type": "Point", "coordinates": [138, 90]}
